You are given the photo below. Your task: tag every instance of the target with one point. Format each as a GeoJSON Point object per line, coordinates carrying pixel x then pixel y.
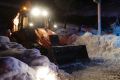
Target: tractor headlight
{"type": "Point", "coordinates": [31, 24]}
{"type": "Point", "coordinates": [55, 26]}
{"type": "Point", "coordinates": [44, 13]}
{"type": "Point", "coordinates": [36, 11]}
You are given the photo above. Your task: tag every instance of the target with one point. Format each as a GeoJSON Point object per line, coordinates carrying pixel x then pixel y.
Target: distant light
{"type": "Point", "coordinates": [45, 13]}
{"type": "Point", "coordinates": [35, 11]}
{"type": "Point", "coordinates": [55, 26]}
{"type": "Point", "coordinates": [96, 1]}
{"type": "Point", "coordinates": [31, 24]}
{"type": "Point", "coordinates": [24, 8]}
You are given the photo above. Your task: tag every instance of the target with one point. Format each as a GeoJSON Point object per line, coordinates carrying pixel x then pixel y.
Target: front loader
{"type": "Point", "coordinates": [33, 29]}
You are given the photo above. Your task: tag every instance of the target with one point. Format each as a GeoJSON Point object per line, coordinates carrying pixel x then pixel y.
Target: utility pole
{"type": "Point", "coordinates": [99, 15]}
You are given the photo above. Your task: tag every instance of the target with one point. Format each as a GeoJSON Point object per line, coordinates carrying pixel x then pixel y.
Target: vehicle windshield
{"type": "Point", "coordinates": [36, 21]}
{"type": "Point", "coordinates": [31, 21]}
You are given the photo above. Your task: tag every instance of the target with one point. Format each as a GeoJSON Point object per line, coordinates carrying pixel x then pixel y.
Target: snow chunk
{"type": "Point", "coordinates": [10, 45]}
{"type": "Point", "coordinates": [13, 69]}
{"type": "Point", "coordinates": [4, 39]}
{"type": "Point", "coordinates": [116, 43]}
{"type": "Point", "coordinates": [87, 34]}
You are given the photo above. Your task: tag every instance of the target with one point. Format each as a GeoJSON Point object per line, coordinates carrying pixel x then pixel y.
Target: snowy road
{"type": "Point", "coordinates": [106, 70]}
{"type": "Point", "coordinates": [97, 69]}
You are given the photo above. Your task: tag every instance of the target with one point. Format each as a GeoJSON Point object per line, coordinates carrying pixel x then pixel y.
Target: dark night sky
{"type": "Point", "coordinates": [85, 9]}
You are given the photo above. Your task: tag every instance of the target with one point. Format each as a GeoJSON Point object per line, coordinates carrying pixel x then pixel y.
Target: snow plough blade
{"type": "Point", "coordinates": [67, 54]}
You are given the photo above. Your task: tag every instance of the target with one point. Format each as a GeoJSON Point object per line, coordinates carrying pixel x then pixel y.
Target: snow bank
{"type": "Point", "coordinates": [106, 46]}
{"type": "Point", "coordinates": [104, 52]}
{"type": "Point", "coordinates": [69, 30]}
{"type": "Point", "coordinates": [72, 29]}
{"type": "Point", "coordinates": [4, 39]}
{"type": "Point", "coordinates": [13, 69]}
{"type": "Point", "coordinates": [19, 63]}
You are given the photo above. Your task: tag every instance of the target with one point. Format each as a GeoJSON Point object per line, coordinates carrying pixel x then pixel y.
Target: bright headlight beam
{"type": "Point", "coordinates": [45, 13]}
{"type": "Point", "coordinates": [44, 73]}
{"type": "Point", "coordinates": [35, 11]}
{"type": "Point", "coordinates": [55, 26]}
{"type": "Point", "coordinates": [31, 24]}
{"type": "Point", "coordinates": [24, 8]}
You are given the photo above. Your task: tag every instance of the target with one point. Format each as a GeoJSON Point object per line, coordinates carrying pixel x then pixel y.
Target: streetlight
{"type": "Point", "coordinates": [99, 15]}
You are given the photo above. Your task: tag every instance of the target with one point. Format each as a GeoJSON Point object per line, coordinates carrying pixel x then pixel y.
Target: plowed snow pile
{"type": "Point", "coordinates": [106, 46]}
{"type": "Point", "coordinates": [19, 63]}
{"type": "Point", "coordinates": [104, 52]}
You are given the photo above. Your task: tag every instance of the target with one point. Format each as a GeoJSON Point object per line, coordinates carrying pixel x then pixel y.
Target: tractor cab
{"type": "Point", "coordinates": [35, 17]}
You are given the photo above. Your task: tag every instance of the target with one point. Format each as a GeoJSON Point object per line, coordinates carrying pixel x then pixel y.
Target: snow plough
{"type": "Point", "coordinates": [33, 29]}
